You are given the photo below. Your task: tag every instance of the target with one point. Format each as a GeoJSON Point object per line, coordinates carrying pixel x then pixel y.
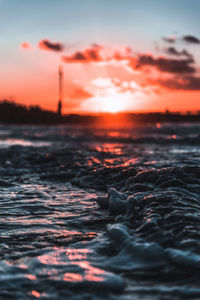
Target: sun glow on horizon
{"type": "Point", "coordinates": [112, 104]}
{"type": "Point", "coordinates": [115, 102]}
{"type": "Point", "coordinates": [110, 97]}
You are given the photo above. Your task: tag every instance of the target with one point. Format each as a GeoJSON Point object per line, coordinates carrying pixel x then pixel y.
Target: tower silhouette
{"type": "Point", "coordinates": [60, 85]}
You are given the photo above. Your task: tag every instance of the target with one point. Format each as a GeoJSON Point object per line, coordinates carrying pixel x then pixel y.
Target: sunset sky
{"type": "Point", "coordinates": [117, 55]}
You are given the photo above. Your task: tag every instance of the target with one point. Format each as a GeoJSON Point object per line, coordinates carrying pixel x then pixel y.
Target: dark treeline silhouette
{"type": "Point", "coordinates": [12, 113]}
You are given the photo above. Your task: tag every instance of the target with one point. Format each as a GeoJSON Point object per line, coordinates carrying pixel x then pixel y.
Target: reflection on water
{"type": "Point", "coordinates": [56, 242]}
{"type": "Point", "coordinates": [39, 223]}
{"type": "Point", "coordinates": [31, 277]}
{"type": "Point", "coordinates": [21, 142]}
{"type": "Point", "coordinates": [110, 148]}
{"type": "Point", "coordinates": [71, 259]}
{"type": "Point", "coordinates": [35, 294]}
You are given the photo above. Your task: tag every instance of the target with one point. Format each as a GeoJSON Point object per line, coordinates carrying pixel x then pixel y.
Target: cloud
{"type": "Point", "coordinates": [190, 39]}
{"type": "Point", "coordinates": [166, 65]}
{"type": "Point", "coordinates": [88, 55]}
{"type": "Point", "coordinates": [187, 83]}
{"type": "Point", "coordinates": [77, 92]}
{"type": "Point", "coordinates": [99, 53]}
{"type": "Point", "coordinates": [77, 57]}
{"type": "Point", "coordinates": [51, 46]}
{"type": "Point", "coordinates": [25, 46]}
{"type": "Point", "coordinates": [170, 39]}
{"type": "Point", "coordinates": [76, 95]}
{"type": "Point", "coordinates": [175, 52]}
{"type": "Point", "coordinates": [121, 86]}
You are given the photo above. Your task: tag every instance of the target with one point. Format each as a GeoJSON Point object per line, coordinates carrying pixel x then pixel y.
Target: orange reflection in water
{"type": "Point", "coordinates": [130, 162]}
{"type": "Point", "coordinates": [110, 162]}
{"type": "Point", "coordinates": [114, 134]}
{"type": "Point", "coordinates": [50, 259]}
{"type": "Point", "coordinates": [150, 162]}
{"type": "Point", "coordinates": [78, 257]}
{"type": "Point", "coordinates": [110, 148]}
{"type": "Point", "coordinates": [93, 160]}
{"type": "Point", "coordinates": [31, 277]}
{"type": "Point", "coordinates": [117, 156]}
{"type": "Point", "coordinates": [73, 277]}
{"type": "Point", "coordinates": [71, 258]}
{"type": "Point", "coordinates": [173, 137]}
{"type": "Point", "coordinates": [77, 254]}
{"type": "Point", "coordinates": [89, 235]}
{"type": "Point", "coordinates": [91, 273]}
{"type": "Point", "coordinates": [158, 125]}
{"type": "Point", "coordinates": [118, 134]}
{"type": "Point", "coordinates": [23, 266]}
{"type": "Point", "coordinates": [35, 294]}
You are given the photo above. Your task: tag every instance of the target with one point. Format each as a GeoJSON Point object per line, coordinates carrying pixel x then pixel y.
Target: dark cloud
{"type": "Point", "coordinates": [87, 56]}
{"type": "Point", "coordinates": [166, 64]}
{"type": "Point", "coordinates": [175, 52]}
{"type": "Point", "coordinates": [170, 39]}
{"type": "Point", "coordinates": [186, 83]}
{"type": "Point", "coordinates": [77, 57]}
{"type": "Point", "coordinates": [94, 54]}
{"type": "Point", "coordinates": [190, 39]}
{"type": "Point", "coordinates": [51, 46]}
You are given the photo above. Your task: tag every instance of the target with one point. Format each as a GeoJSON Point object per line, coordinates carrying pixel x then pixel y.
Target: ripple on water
{"type": "Point", "coordinates": [63, 238]}
{"type": "Point", "coordinates": [22, 142]}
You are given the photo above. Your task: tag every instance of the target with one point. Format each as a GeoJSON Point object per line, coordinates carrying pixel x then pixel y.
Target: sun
{"type": "Point", "coordinates": [111, 105]}
{"type": "Point", "coordinates": [110, 98]}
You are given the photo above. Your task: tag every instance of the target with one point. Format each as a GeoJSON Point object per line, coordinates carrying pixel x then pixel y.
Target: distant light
{"type": "Point", "coordinates": [158, 125]}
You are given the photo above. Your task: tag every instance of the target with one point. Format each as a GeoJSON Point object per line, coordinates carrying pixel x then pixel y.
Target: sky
{"type": "Point", "coordinates": [116, 55]}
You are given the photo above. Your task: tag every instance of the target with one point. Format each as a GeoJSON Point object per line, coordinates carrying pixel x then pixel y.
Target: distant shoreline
{"type": "Point", "coordinates": [12, 113]}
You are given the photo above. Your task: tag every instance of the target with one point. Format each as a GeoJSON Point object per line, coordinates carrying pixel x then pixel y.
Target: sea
{"type": "Point", "coordinates": [99, 212]}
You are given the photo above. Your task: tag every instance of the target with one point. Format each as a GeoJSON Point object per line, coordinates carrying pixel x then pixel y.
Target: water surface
{"type": "Point", "coordinates": [95, 213]}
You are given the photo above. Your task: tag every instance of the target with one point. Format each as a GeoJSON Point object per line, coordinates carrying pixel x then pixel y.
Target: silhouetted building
{"type": "Point", "coordinates": [60, 84]}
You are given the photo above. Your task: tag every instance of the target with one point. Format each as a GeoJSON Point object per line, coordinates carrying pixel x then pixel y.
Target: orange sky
{"type": "Point", "coordinates": [109, 84]}
{"type": "Point", "coordinates": [121, 61]}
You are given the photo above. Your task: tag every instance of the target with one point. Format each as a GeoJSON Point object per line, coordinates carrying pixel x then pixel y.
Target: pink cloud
{"type": "Point", "coordinates": [25, 46]}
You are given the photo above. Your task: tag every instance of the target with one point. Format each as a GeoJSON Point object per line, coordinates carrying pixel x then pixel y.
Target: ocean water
{"type": "Point", "coordinates": [100, 213]}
